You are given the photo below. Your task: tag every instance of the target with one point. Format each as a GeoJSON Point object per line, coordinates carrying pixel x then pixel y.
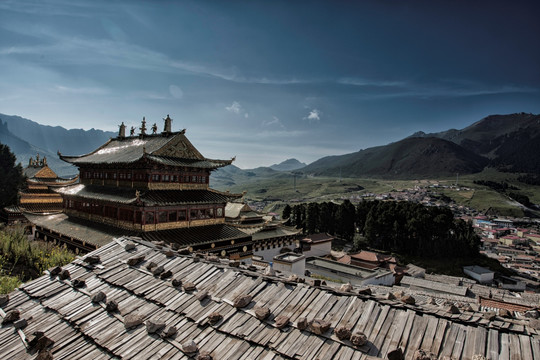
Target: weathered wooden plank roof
{"type": "Point", "coordinates": [81, 328]}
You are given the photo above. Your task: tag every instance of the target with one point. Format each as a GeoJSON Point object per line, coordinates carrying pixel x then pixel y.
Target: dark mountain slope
{"type": "Point", "coordinates": [411, 157]}
{"type": "Point", "coordinates": [52, 139]}
{"type": "Point", "coordinates": [24, 151]}
{"type": "Point", "coordinates": [512, 142]}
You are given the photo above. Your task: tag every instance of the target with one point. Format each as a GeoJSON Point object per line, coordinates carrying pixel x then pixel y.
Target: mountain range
{"type": "Point", "coordinates": [506, 142]}
{"type": "Point", "coordinates": [27, 138]}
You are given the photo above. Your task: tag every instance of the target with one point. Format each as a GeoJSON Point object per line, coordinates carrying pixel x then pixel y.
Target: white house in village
{"type": "Point", "coordinates": [290, 262]}
{"type": "Point", "coordinates": [317, 245]}
{"type": "Point", "coordinates": [342, 273]}
{"type": "Point", "coordinates": [479, 273]}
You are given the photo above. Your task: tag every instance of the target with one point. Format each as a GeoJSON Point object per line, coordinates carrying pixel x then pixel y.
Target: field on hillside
{"type": "Point", "coordinates": [274, 192]}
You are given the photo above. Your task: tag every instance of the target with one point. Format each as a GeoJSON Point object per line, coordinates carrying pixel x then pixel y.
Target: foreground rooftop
{"type": "Point", "coordinates": [211, 315]}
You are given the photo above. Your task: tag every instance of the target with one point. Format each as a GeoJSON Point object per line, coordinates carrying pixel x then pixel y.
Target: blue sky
{"type": "Point", "coordinates": [270, 80]}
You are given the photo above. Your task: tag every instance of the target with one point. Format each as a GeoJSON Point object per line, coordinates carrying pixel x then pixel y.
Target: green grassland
{"type": "Point", "coordinates": [280, 189]}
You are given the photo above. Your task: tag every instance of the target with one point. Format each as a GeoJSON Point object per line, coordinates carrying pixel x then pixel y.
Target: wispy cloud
{"type": "Point", "coordinates": [235, 107]}
{"type": "Point", "coordinates": [275, 122]}
{"type": "Point", "coordinates": [62, 49]}
{"type": "Point", "coordinates": [50, 7]}
{"type": "Point", "coordinates": [314, 116]}
{"type": "Point", "coordinates": [80, 90]}
{"type": "Point", "coordinates": [444, 89]}
{"type": "Point", "coordinates": [371, 82]}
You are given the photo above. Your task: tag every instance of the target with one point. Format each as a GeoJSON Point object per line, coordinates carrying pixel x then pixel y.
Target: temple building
{"type": "Point", "coordinates": [270, 236]}
{"type": "Point", "coordinates": [38, 195]}
{"type": "Point", "coordinates": [152, 185]}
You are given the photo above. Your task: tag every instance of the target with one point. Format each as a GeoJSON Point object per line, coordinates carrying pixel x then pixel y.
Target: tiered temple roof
{"type": "Point", "coordinates": [155, 186]}
{"type": "Point", "coordinates": [167, 148]}
{"type": "Point", "coordinates": [38, 195]}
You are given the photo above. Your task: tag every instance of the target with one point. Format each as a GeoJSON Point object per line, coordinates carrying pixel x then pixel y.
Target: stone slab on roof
{"type": "Point", "coordinates": [81, 329]}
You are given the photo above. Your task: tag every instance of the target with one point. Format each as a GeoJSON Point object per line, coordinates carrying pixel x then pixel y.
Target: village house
{"type": "Point", "coordinates": [316, 245]}
{"type": "Point", "coordinates": [335, 271]}
{"type": "Point", "coordinates": [479, 273]}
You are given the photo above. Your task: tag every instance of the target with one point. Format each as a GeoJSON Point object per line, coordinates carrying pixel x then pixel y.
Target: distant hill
{"type": "Point", "coordinates": [23, 150]}
{"type": "Point", "coordinates": [288, 165]}
{"type": "Point", "coordinates": [27, 138]}
{"type": "Point", "coordinates": [56, 138]}
{"type": "Point", "coordinates": [511, 142]}
{"type": "Point", "coordinates": [506, 142]}
{"type": "Point", "coordinates": [408, 158]}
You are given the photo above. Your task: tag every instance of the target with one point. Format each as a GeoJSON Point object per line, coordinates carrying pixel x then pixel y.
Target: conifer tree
{"type": "Point", "coordinates": [11, 177]}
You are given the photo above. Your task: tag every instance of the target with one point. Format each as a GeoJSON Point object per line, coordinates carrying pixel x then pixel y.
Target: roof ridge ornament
{"type": "Point", "coordinates": [167, 129]}
{"type": "Point", "coordinates": [122, 131]}
{"type": "Point", "coordinates": [143, 127]}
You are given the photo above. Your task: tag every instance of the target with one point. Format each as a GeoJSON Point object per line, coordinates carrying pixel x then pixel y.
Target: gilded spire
{"type": "Point", "coordinates": [143, 126]}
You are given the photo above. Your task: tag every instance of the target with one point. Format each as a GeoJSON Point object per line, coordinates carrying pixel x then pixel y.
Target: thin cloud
{"type": "Point", "coordinates": [176, 92]}
{"type": "Point", "coordinates": [275, 122]}
{"type": "Point", "coordinates": [314, 116]}
{"type": "Point", "coordinates": [442, 91]}
{"type": "Point", "coordinates": [80, 90]}
{"type": "Point", "coordinates": [51, 8]}
{"type": "Point", "coordinates": [235, 107]}
{"type": "Point", "coordinates": [367, 82]}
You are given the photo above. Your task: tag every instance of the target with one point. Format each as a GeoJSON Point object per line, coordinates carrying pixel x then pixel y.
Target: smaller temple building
{"type": "Point", "coordinates": [39, 195]}
{"type": "Point", "coordinates": [270, 236]}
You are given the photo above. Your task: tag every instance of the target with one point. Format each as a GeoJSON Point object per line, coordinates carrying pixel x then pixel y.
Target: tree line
{"type": "Point", "coordinates": [325, 217]}
{"type": "Point", "coordinates": [402, 227]}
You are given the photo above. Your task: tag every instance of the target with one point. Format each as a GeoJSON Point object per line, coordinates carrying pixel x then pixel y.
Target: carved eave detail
{"type": "Point", "coordinates": [46, 172]}
{"type": "Point", "coordinates": [179, 147]}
